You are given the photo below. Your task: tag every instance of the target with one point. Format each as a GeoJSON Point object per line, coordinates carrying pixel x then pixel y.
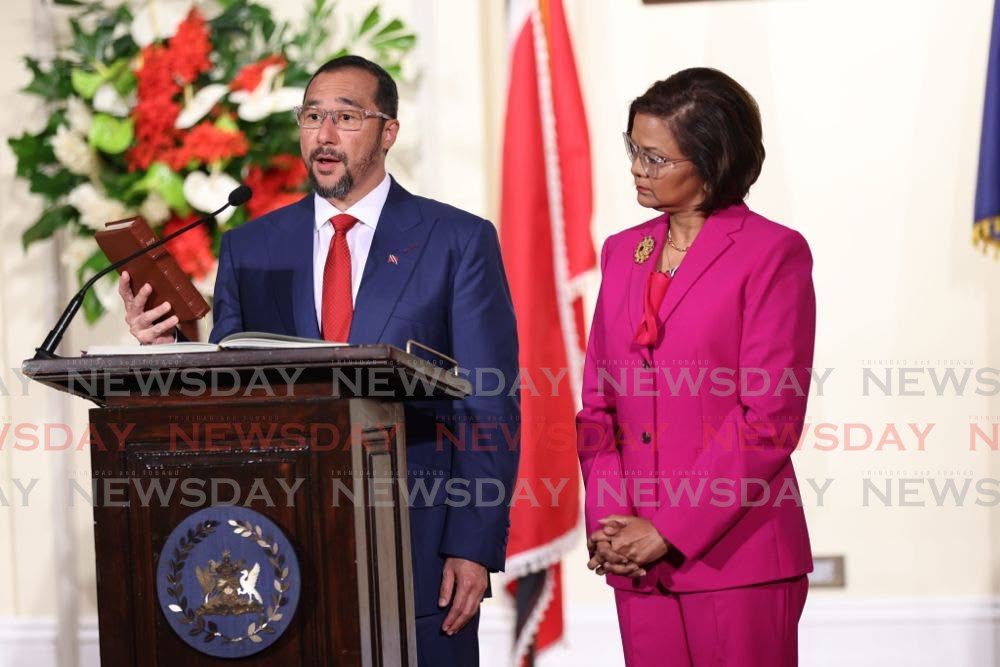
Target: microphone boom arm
{"type": "Point", "coordinates": [47, 350]}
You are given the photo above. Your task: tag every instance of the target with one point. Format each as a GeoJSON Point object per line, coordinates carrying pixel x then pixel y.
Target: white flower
{"type": "Point", "coordinates": [258, 107]}
{"type": "Point", "coordinates": [96, 209]}
{"type": "Point", "coordinates": [263, 101]}
{"type": "Point", "coordinates": [200, 104]}
{"type": "Point", "coordinates": [206, 285]}
{"type": "Point", "coordinates": [108, 100]}
{"type": "Point", "coordinates": [121, 29]}
{"type": "Point", "coordinates": [267, 78]}
{"type": "Point", "coordinates": [106, 291]}
{"type": "Point", "coordinates": [157, 20]}
{"type": "Point", "coordinates": [76, 251]}
{"type": "Point", "coordinates": [154, 209]}
{"type": "Point", "coordinates": [79, 116]}
{"type": "Point", "coordinates": [207, 193]}
{"type": "Point", "coordinates": [73, 152]}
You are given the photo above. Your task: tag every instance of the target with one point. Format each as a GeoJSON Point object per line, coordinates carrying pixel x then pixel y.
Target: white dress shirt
{"type": "Point", "coordinates": [367, 210]}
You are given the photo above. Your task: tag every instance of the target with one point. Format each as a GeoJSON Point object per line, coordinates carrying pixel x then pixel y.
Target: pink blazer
{"type": "Point", "coordinates": [685, 433]}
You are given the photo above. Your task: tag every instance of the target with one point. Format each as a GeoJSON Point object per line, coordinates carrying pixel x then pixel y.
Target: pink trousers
{"type": "Point", "coordinates": [750, 626]}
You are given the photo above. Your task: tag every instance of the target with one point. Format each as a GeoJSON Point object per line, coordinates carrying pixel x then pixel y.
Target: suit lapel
{"type": "Point", "coordinates": [713, 240]}
{"type": "Point", "coordinates": [657, 228]}
{"type": "Point", "coordinates": [399, 226]}
{"type": "Point", "coordinates": [291, 256]}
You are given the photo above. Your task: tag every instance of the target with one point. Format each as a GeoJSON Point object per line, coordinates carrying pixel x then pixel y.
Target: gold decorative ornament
{"type": "Point", "coordinates": [644, 250]}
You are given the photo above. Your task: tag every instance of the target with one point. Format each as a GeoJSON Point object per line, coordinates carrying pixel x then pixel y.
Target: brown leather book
{"type": "Point", "coordinates": [121, 238]}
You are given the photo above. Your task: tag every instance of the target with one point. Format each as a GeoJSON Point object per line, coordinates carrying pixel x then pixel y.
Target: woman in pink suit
{"type": "Point", "coordinates": [694, 393]}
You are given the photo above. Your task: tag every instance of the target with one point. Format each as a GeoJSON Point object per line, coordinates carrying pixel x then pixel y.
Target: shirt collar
{"type": "Point", "coordinates": [366, 210]}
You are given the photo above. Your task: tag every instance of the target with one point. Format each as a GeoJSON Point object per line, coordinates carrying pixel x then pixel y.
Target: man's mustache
{"type": "Point", "coordinates": [336, 155]}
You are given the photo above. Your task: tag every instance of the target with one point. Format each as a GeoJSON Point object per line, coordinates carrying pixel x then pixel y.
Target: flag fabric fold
{"type": "Point", "coordinates": [548, 252]}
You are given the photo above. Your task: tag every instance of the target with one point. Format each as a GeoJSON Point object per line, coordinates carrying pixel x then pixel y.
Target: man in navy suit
{"type": "Point", "coordinates": [362, 258]}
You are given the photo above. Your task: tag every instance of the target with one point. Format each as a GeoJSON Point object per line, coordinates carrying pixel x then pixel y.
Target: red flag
{"type": "Point", "coordinates": [547, 247]}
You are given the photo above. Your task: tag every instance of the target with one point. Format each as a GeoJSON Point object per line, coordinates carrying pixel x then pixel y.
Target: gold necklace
{"type": "Point", "coordinates": [670, 242]}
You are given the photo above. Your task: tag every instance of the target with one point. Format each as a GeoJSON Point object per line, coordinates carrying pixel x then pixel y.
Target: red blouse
{"type": "Point", "coordinates": [649, 328]}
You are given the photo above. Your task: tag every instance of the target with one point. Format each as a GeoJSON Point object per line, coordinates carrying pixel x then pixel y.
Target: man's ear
{"type": "Point", "coordinates": [389, 132]}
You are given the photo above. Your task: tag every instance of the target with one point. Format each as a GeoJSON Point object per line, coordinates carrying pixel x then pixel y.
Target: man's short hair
{"type": "Point", "coordinates": [386, 95]}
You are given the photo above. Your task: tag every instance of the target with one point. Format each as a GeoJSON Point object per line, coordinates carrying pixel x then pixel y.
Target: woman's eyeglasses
{"type": "Point", "coordinates": [653, 165]}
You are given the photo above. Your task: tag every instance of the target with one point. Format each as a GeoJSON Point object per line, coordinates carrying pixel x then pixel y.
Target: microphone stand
{"type": "Point", "coordinates": [47, 350]}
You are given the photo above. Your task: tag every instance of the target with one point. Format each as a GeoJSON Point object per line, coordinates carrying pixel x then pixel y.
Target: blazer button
{"type": "Point", "coordinates": [646, 437]}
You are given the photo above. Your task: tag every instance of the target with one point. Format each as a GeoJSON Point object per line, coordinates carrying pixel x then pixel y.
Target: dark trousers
{"type": "Point", "coordinates": [436, 649]}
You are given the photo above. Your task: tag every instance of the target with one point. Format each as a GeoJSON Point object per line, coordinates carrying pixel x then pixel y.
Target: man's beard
{"type": "Point", "coordinates": [345, 183]}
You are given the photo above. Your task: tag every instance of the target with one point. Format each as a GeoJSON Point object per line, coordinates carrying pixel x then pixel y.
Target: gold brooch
{"type": "Point", "coordinates": [644, 249]}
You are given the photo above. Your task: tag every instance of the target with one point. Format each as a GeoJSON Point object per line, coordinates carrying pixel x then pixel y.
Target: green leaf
{"type": "Point", "coordinates": [166, 183]}
{"type": "Point", "coordinates": [121, 76]}
{"type": "Point", "coordinates": [92, 308]}
{"type": "Point", "coordinates": [111, 135]}
{"type": "Point", "coordinates": [70, 3]}
{"type": "Point", "coordinates": [83, 43]}
{"type": "Point", "coordinates": [227, 123]}
{"type": "Point", "coordinates": [370, 21]}
{"type": "Point", "coordinates": [401, 42]}
{"type": "Point", "coordinates": [124, 83]}
{"type": "Point", "coordinates": [53, 84]}
{"type": "Point", "coordinates": [391, 26]}
{"type": "Point", "coordinates": [120, 182]}
{"type": "Point", "coordinates": [31, 152]}
{"type": "Point", "coordinates": [86, 83]}
{"type": "Point", "coordinates": [116, 68]}
{"type": "Point", "coordinates": [56, 184]}
{"type": "Point", "coordinates": [47, 224]}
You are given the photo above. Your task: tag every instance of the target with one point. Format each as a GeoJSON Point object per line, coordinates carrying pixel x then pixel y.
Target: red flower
{"type": "Point", "coordinates": [207, 143]}
{"type": "Point", "coordinates": [250, 76]}
{"type": "Point", "coordinates": [192, 249]}
{"type": "Point", "coordinates": [189, 48]}
{"type": "Point", "coordinates": [154, 78]}
{"type": "Point", "coordinates": [155, 135]}
{"type": "Point", "coordinates": [163, 71]}
{"type": "Point", "coordinates": [155, 112]}
{"type": "Point", "coordinates": [292, 168]}
{"type": "Point", "coordinates": [278, 185]}
{"type": "Point", "coordinates": [257, 208]}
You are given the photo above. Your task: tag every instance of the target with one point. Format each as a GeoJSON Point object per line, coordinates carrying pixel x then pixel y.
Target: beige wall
{"type": "Point", "coordinates": [871, 114]}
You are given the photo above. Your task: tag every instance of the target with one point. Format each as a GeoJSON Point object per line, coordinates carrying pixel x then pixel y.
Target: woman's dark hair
{"type": "Point", "coordinates": [716, 123]}
{"type": "Point", "coordinates": [386, 95]}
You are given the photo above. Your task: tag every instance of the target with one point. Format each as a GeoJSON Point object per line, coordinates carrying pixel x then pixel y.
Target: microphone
{"type": "Point", "coordinates": [238, 197]}
{"type": "Point", "coordinates": [47, 350]}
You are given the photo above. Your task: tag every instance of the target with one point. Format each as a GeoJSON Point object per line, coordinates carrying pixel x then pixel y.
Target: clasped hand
{"type": "Point", "coordinates": [624, 545]}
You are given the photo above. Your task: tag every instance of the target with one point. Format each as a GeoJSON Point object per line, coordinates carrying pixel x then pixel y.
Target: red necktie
{"type": "Point", "coordinates": [338, 306]}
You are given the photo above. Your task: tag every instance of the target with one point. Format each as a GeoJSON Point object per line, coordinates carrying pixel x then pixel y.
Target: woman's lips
{"type": "Point", "coordinates": [642, 190]}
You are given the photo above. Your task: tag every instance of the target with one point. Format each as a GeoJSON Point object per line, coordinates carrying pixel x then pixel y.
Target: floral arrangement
{"type": "Point", "coordinates": [160, 109]}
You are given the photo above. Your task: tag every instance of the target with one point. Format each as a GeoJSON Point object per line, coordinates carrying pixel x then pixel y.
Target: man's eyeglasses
{"type": "Point", "coordinates": [348, 119]}
{"type": "Point", "coordinates": [653, 165]}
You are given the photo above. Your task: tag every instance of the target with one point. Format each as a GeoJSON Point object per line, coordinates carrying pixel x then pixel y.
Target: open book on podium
{"type": "Point", "coordinates": [246, 340]}
{"type": "Point", "coordinates": [121, 238]}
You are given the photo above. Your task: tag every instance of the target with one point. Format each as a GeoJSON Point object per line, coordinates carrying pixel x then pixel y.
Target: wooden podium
{"type": "Point", "coordinates": [305, 437]}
